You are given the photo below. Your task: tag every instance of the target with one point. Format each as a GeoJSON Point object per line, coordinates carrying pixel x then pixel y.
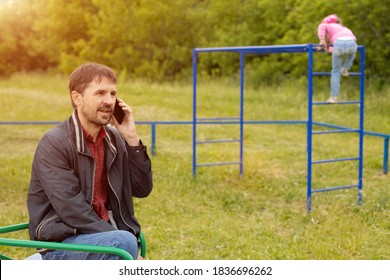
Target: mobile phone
{"type": "Point", "coordinates": [118, 112]}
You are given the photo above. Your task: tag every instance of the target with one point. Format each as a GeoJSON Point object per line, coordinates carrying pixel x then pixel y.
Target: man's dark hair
{"type": "Point", "coordinates": [86, 73]}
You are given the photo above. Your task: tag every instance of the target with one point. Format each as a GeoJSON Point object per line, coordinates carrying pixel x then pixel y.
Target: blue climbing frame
{"type": "Point", "coordinates": [303, 48]}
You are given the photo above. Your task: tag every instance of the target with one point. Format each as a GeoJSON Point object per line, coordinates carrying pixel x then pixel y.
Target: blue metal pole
{"type": "Point", "coordinates": [153, 135]}
{"type": "Point", "coordinates": [194, 81]}
{"type": "Point", "coordinates": [242, 63]}
{"type": "Point", "coordinates": [361, 126]}
{"type": "Point", "coordinates": [309, 126]}
{"type": "Point", "coordinates": [386, 155]}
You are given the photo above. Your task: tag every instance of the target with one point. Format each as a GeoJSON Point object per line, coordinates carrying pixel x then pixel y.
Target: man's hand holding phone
{"type": "Point", "coordinates": [119, 114]}
{"type": "Point", "coordinates": [124, 122]}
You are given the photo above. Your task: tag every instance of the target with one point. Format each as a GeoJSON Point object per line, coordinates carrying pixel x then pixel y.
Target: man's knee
{"type": "Point", "coordinates": [124, 238]}
{"type": "Point", "coordinates": [126, 241]}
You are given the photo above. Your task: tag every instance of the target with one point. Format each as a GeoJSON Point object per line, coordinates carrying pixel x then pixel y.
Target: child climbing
{"type": "Point", "coordinates": [331, 31]}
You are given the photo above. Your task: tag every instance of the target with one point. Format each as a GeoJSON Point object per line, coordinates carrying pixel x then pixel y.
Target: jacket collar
{"type": "Point", "coordinates": [81, 143]}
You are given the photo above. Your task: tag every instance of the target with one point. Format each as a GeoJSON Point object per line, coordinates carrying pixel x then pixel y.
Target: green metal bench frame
{"type": "Point", "coordinates": [62, 246]}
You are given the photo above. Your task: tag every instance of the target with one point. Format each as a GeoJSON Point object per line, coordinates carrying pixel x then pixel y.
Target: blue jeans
{"type": "Point", "coordinates": [117, 238]}
{"type": "Point", "coordinates": [341, 48]}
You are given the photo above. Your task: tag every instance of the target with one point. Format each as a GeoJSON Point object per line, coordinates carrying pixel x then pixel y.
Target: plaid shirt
{"type": "Point", "coordinates": [100, 184]}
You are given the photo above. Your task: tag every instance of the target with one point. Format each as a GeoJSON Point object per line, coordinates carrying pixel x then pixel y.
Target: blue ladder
{"type": "Point", "coordinates": [310, 132]}
{"type": "Point", "coordinates": [222, 120]}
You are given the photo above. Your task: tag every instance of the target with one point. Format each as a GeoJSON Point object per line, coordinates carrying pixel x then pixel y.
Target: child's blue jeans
{"type": "Point", "coordinates": [341, 49]}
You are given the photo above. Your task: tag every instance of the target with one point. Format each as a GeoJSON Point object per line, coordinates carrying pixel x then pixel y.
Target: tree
{"type": "Point", "coordinates": [154, 38]}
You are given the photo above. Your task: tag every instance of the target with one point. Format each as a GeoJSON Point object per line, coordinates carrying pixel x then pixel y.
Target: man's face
{"type": "Point", "coordinates": [96, 104]}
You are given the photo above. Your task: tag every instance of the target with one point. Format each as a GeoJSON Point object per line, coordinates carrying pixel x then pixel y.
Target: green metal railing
{"type": "Point", "coordinates": [62, 246]}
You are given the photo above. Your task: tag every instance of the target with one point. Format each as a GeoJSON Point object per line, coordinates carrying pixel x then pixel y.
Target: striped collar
{"type": "Point", "coordinates": [80, 137]}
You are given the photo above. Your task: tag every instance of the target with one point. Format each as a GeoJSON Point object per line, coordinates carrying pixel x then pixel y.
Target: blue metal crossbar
{"type": "Point", "coordinates": [334, 160]}
{"type": "Point", "coordinates": [336, 131]}
{"type": "Point", "coordinates": [258, 49]}
{"type": "Point", "coordinates": [335, 188]}
{"type": "Point", "coordinates": [329, 73]}
{"type": "Point", "coordinates": [219, 141]}
{"type": "Point", "coordinates": [217, 119]}
{"type": "Point", "coordinates": [219, 163]}
{"type": "Point", "coordinates": [338, 103]}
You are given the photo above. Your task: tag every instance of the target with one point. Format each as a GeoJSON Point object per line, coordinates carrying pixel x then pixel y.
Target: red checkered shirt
{"type": "Point", "coordinates": [100, 193]}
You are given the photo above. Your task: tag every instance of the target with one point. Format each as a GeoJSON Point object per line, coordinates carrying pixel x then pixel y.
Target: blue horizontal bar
{"type": "Point", "coordinates": [335, 188]}
{"type": "Point", "coordinates": [275, 122]}
{"type": "Point", "coordinates": [338, 102]}
{"type": "Point", "coordinates": [334, 160]}
{"type": "Point", "coordinates": [218, 119]}
{"type": "Point", "coordinates": [255, 122]}
{"type": "Point", "coordinates": [217, 164]}
{"type": "Point", "coordinates": [262, 49]}
{"type": "Point", "coordinates": [343, 127]}
{"type": "Point", "coordinates": [335, 131]}
{"type": "Point", "coordinates": [217, 141]}
{"type": "Point", "coordinates": [164, 122]}
{"type": "Point", "coordinates": [329, 73]}
{"type": "Point", "coordinates": [257, 49]}
{"type": "Point", "coordinates": [30, 123]}
{"type": "Point", "coordinates": [190, 123]}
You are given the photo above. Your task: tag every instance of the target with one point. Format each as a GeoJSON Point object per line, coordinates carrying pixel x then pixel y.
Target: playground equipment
{"type": "Point", "coordinates": [304, 48]}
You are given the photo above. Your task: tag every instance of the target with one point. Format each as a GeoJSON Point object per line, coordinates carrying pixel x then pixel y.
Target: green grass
{"type": "Point", "coordinates": [220, 215]}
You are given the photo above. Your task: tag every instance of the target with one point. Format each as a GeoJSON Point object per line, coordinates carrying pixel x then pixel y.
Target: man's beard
{"type": "Point", "coordinates": [94, 117]}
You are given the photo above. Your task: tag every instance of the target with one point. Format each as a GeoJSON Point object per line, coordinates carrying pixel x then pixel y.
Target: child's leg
{"type": "Point", "coordinates": [337, 60]}
{"type": "Point", "coordinates": [350, 55]}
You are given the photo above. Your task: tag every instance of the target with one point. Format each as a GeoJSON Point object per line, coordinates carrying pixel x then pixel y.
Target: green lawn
{"type": "Point", "coordinates": [221, 215]}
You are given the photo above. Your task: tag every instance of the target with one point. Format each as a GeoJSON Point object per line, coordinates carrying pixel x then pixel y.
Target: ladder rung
{"type": "Point", "coordinates": [334, 160]}
{"type": "Point", "coordinates": [218, 163]}
{"type": "Point", "coordinates": [335, 131]}
{"type": "Point", "coordinates": [338, 102]}
{"type": "Point", "coordinates": [217, 141]}
{"type": "Point", "coordinates": [335, 188]}
{"type": "Point", "coordinates": [329, 73]}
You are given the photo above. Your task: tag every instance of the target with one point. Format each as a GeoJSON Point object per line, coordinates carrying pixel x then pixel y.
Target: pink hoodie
{"type": "Point", "coordinates": [334, 31]}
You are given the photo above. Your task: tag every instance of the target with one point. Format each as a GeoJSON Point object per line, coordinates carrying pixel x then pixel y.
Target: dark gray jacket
{"type": "Point", "coordinates": [61, 188]}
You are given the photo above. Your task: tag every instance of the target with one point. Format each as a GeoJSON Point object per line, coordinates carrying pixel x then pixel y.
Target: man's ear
{"type": "Point", "coordinates": [76, 97]}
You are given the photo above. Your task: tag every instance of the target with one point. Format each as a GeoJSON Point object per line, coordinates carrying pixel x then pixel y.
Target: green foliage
{"type": "Point", "coordinates": [154, 39]}
{"type": "Point", "coordinates": [15, 52]}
